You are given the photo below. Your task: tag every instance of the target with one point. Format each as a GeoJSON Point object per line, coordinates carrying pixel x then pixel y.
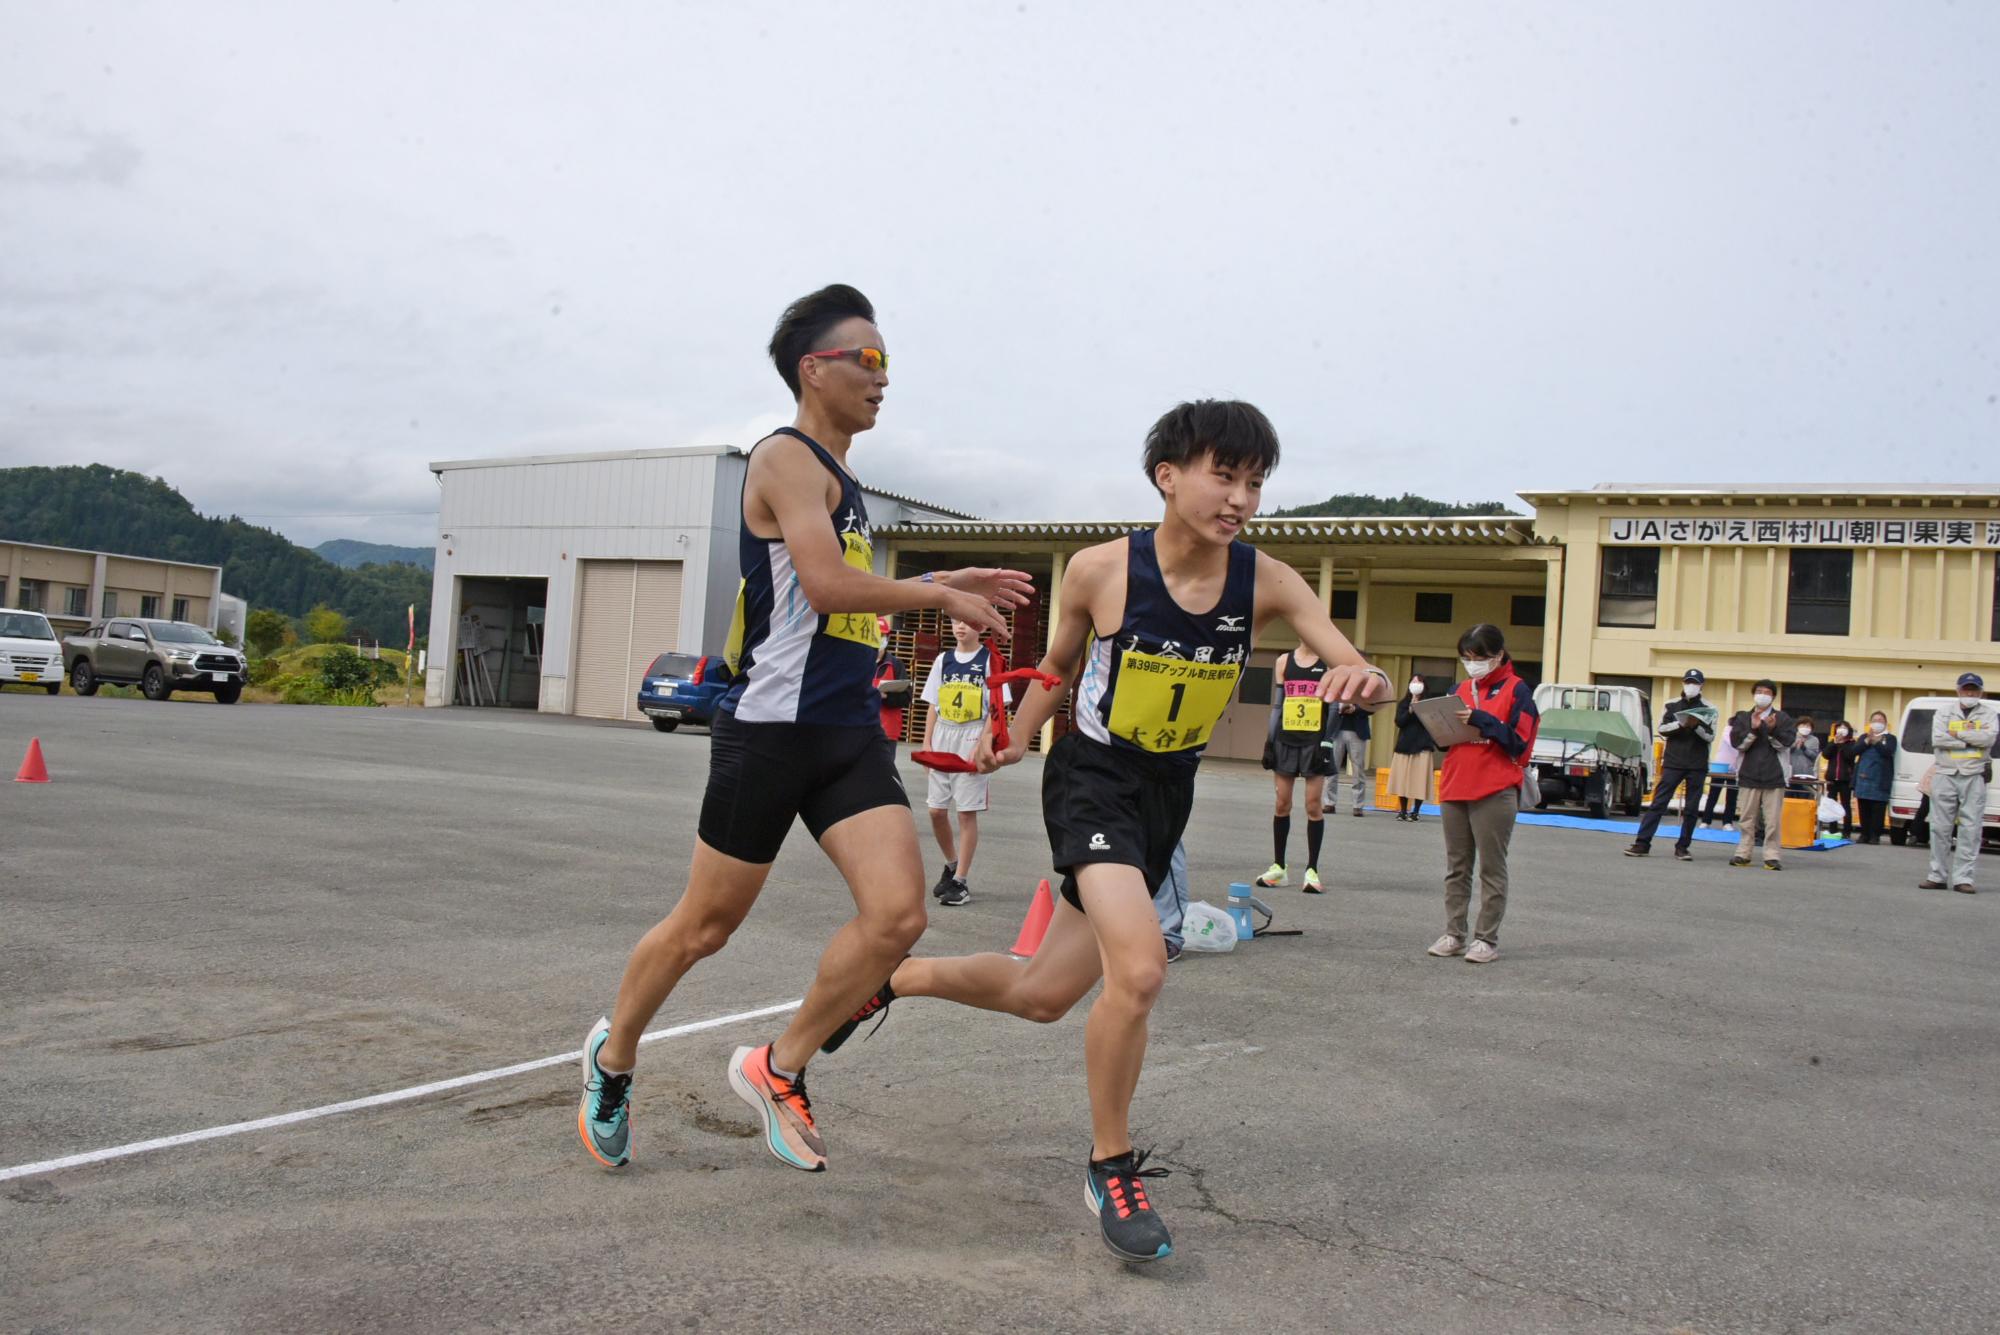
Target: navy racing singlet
{"type": "Point", "coordinates": [1163, 680]}
{"type": "Point", "coordinates": [1302, 718]}
{"type": "Point", "coordinates": [792, 664]}
{"type": "Point", "coordinates": [961, 687]}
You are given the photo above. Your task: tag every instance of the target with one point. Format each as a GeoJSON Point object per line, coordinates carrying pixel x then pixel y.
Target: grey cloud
{"type": "Point", "coordinates": [72, 158]}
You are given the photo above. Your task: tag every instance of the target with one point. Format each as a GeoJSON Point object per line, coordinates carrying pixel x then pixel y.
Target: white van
{"type": "Point", "coordinates": [29, 650]}
{"type": "Point", "coordinates": [1913, 757]}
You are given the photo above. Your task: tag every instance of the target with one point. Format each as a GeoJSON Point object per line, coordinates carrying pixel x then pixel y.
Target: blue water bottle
{"type": "Point", "coordinates": [1239, 909]}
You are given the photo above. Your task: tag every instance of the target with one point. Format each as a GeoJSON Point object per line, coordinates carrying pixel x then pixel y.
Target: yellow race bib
{"type": "Point", "coordinates": [1169, 704]}
{"type": "Point", "coordinates": [860, 627]}
{"type": "Point", "coordinates": [961, 701]}
{"type": "Point", "coordinates": [1302, 713]}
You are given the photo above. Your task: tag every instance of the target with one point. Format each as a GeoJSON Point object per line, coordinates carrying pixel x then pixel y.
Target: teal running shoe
{"type": "Point", "coordinates": [604, 1117]}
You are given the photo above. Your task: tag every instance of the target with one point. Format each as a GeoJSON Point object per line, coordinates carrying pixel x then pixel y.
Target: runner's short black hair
{"type": "Point", "coordinates": [1235, 434]}
{"type": "Point", "coordinates": [1482, 641]}
{"type": "Point", "coordinates": [807, 321]}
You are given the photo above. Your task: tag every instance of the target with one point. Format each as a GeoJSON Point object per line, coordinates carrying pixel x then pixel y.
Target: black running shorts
{"type": "Point", "coordinates": [1104, 804]}
{"type": "Point", "coordinates": [761, 775]}
{"type": "Point", "coordinates": [1296, 760]}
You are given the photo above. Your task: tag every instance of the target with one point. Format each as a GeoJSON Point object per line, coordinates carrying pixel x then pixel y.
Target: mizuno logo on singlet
{"type": "Point", "coordinates": [1230, 623]}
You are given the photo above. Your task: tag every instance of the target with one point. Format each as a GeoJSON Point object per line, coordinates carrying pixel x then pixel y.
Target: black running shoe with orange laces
{"type": "Point", "coordinates": [875, 1005]}
{"type": "Point", "coordinates": [1133, 1230]}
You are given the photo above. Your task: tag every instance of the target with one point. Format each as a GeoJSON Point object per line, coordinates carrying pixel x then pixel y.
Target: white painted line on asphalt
{"type": "Point", "coordinates": [372, 1101]}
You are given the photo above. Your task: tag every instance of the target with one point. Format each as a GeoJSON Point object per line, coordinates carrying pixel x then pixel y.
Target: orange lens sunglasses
{"type": "Point", "coordinates": [871, 359]}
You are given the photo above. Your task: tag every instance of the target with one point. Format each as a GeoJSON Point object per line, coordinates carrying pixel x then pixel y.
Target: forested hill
{"type": "Point", "coordinates": [1360, 503]}
{"type": "Point", "coordinates": [111, 510]}
{"type": "Point", "coordinates": [352, 554]}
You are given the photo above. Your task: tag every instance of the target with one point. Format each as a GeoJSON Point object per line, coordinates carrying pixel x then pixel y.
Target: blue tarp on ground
{"type": "Point", "coordinates": [1670, 829]}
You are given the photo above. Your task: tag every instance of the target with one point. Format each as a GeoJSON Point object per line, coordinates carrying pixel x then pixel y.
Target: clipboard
{"type": "Point", "coordinates": [1441, 721]}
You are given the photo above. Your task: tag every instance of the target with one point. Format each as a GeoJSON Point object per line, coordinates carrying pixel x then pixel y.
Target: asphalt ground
{"type": "Point", "coordinates": [1686, 1098]}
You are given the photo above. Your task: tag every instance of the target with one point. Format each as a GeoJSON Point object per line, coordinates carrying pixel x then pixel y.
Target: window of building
{"type": "Point", "coordinates": [1826, 704]}
{"type": "Point", "coordinates": [34, 595]}
{"type": "Point", "coordinates": [1629, 592]}
{"type": "Point", "coordinates": [1434, 607]}
{"type": "Point", "coordinates": [1529, 670]}
{"type": "Point", "coordinates": [76, 602]}
{"type": "Point", "coordinates": [180, 609]}
{"type": "Point", "coordinates": [149, 604]}
{"type": "Point", "coordinates": [110, 608]}
{"type": "Point", "coordinates": [1996, 600]}
{"type": "Point", "coordinates": [1530, 609]}
{"type": "Point", "coordinates": [1346, 604]}
{"type": "Point", "coordinates": [1820, 592]}
{"type": "Point", "coordinates": [1255, 686]}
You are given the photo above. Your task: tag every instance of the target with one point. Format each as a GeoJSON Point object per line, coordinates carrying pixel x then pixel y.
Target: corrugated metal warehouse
{"type": "Point", "coordinates": [560, 577]}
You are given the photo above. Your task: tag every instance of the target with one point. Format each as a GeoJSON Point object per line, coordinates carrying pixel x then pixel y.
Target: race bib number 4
{"type": "Point", "coordinates": [860, 627]}
{"type": "Point", "coordinates": [961, 701]}
{"type": "Point", "coordinates": [1169, 704]}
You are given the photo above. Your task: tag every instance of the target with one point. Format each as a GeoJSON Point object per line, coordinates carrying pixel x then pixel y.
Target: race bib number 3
{"type": "Point", "coordinates": [961, 701]}
{"type": "Point", "coordinates": [1169, 704]}
{"type": "Point", "coordinates": [1302, 713]}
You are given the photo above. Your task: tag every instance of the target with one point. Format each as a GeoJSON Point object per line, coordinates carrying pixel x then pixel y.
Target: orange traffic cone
{"type": "Point", "coordinates": [35, 770]}
{"type": "Point", "coordinates": [1036, 925]}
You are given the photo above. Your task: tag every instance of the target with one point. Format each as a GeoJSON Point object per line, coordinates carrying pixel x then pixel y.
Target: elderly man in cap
{"type": "Point", "coordinates": [1689, 727]}
{"type": "Point", "coordinates": [1962, 748]}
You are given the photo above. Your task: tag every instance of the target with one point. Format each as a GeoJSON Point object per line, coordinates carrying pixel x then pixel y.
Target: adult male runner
{"type": "Point", "coordinates": [1301, 725]}
{"type": "Point", "coordinates": [1160, 623]}
{"type": "Point", "coordinates": [797, 736]}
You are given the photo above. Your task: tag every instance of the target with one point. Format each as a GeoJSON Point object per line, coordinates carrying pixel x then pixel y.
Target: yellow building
{"type": "Point", "coordinates": [74, 588]}
{"type": "Point", "coordinates": [1852, 599]}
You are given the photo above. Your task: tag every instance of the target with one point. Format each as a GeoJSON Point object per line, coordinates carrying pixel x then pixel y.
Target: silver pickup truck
{"type": "Point", "coordinates": [159, 657]}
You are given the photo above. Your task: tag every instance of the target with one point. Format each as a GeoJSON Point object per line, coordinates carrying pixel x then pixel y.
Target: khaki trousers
{"type": "Point", "coordinates": [1761, 808]}
{"type": "Point", "coordinates": [1483, 828]}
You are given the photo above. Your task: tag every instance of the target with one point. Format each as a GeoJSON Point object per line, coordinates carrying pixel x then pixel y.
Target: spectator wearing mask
{"type": "Point", "coordinates": [1841, 752]}
{"type": "Point", "coordinates": [1764, 734]}
{"type": "Point", "coordinates": [1410, 772]}
{"type": "Point", "coordinates": [1480, 791]}
{"type": "Point", "coordinates": [1962, 754]}
{"type": "Point", "coordinates": [1802, 761]}
{"type": "Point", "coordinates": [1689, 728]}
{"type": "Point", "coordinates": [1874, 776]}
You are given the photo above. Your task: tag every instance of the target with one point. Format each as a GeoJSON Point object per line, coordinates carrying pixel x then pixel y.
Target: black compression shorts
{"type": "Point", "coordinates": [1107, 805]}
{"type": "Point", "coordinates": [761, 775]}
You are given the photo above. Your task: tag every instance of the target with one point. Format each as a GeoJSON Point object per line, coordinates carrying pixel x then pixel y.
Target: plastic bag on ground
{"type": "Point", "coordinates": [1207, 928]}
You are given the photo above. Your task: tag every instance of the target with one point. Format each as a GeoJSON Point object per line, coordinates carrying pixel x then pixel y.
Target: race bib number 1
{"type": "Point", "coordinates": [1169, 704]}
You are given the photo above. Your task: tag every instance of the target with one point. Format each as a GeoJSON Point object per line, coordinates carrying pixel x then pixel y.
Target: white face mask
{"type": "Point", "coordinates": [1876, 725]}
{"type": "Point", "coordinates": [1763, 701]}
{"type": "Point", "coordinates": [1476, 668]}
{"type": "Point", "coordinates": [1840, 732]}
{"type": "Point", "coordinates": [1690, 691]}
{"type": "Point", "coordinates": [1805, 732]}
{"type": "Point", "coordinates": [1416, 688]}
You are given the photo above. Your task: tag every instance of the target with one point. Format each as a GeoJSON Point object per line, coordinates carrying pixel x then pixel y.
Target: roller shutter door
{"type": "Point", "coordinates": [630, 612]}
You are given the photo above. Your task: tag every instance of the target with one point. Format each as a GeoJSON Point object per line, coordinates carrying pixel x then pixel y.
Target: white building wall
{"type": "Point", "coordinates": [536, 517]}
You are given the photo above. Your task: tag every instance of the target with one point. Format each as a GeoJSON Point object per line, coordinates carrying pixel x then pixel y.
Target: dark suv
{"type": "Point", "coordinates": [159, 657]}
{"type": "Point", "coordinates": [681, 688]}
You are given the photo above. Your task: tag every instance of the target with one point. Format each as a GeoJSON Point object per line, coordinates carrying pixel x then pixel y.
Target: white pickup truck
{"type": "Point", "coordinates": [1595, 747]}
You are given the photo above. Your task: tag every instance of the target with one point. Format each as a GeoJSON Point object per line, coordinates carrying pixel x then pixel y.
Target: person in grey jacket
{"type": "Point", "coordinates": [1962, 748]}
{"type": "Point", "coordinates": [1803, 759]}
{"type": "Point", "coordinates": [1763, 733]}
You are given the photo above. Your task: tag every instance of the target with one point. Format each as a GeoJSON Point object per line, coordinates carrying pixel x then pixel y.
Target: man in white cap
{"type": "Point", "coordinates": [1962, 748]}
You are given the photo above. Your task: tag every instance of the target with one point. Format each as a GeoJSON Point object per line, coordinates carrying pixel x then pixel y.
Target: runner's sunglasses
{"type": "Point", "coordinates": [871, 359]}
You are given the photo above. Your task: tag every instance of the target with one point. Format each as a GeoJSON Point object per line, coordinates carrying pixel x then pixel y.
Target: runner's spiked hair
{"type": "Point", "coordinates": [1235, 434]}
{"type": "Point", "coordinates": [807, 320]}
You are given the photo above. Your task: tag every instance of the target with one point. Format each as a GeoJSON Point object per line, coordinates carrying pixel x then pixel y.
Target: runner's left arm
{"type": "Point", "coordinates": [1350, 678]}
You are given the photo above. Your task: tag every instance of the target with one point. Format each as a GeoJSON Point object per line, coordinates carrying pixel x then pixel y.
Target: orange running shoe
{"type": "Point", "coordinates": [782, 1105]}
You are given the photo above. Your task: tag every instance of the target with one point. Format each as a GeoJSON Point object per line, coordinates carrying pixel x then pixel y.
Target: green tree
{"type": "Point", "coordinates": [342, 669]}
{"type": "Point", "coordinates": [325, 626]}
{"type": "Point", "coordinates": [264, 631]}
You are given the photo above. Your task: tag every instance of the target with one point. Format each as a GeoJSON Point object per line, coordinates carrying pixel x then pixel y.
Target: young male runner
{"type": "Point", "coordinates": [1301, 725]}
{"type": "Point", "coordinates": [797, 736]}
{"type": "Point", "coordinates": [956, 693]}
{"type": "Point", "coordinates": [1116, 791]}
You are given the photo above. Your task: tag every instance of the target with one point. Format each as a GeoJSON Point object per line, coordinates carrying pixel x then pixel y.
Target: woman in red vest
{"type": "Point", "coordinates": [1479, 791]}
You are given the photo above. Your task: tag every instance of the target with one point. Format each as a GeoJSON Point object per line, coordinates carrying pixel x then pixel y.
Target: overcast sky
{"type": "Point", "coordinates": [285, 255]}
